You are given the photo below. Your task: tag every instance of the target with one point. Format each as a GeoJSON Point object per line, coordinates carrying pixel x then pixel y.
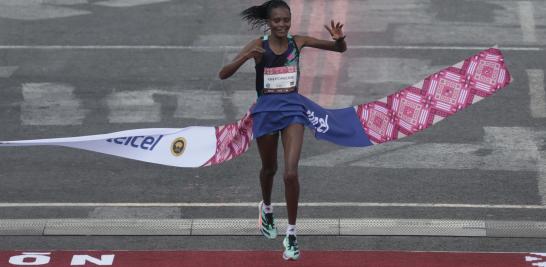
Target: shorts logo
{"type": "Point", "coordinates": [178, 146]}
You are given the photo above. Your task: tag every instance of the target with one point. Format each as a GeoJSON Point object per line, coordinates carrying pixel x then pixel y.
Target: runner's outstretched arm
{"type": "Point", "coordinates": [336, 31]}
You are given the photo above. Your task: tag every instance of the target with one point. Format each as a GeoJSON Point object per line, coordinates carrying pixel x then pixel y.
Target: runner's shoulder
{"type": "Point", "coordinates": [300, 40]}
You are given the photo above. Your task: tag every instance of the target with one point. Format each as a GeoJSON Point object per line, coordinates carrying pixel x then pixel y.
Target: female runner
{"type": "Point", "coordinates": [278, 107]}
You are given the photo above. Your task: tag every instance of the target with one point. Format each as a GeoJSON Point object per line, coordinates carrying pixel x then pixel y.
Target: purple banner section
{"type": "Point", "coordinates": [339, 126]}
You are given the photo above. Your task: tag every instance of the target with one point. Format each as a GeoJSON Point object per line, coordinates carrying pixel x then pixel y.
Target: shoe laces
{"type": "Point", "coordinates": [292, 242]}
{"type": "Point", "coordinates": [269, 218]}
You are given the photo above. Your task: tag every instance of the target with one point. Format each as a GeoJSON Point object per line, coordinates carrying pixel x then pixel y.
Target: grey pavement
{"type": "Point", "coordinates": [76, 67]}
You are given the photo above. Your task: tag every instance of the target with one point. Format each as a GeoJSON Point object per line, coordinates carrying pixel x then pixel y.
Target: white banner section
{"type": "Point", "coordinates": [185, 147]}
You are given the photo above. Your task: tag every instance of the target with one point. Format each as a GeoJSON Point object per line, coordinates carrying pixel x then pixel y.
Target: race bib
{"type": "Point", "coordinates": [280, 77]}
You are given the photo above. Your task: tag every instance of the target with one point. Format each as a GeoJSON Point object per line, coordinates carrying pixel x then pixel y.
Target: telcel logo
{"type": "Point", "coordinates": [142, 142]}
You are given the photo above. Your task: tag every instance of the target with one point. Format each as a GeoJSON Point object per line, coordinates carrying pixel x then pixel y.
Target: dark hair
{"type": "Point", "coordinates": [257, 15]}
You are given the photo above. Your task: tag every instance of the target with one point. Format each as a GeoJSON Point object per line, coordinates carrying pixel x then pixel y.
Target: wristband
{"type": "Point", "coordinates": [340, 38]}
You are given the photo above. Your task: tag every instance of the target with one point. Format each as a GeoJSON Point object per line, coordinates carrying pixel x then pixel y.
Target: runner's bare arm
{"type": "Point", "coordinates": [251, 50]}
{"type": "Point", "coordinates": [336, 31]}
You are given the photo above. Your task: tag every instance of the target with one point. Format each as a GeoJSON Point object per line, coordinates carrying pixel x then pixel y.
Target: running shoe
{"type": "Point", "coordinates": [291, 249]}
{"type": "Point", "coordinates": [266, 223]}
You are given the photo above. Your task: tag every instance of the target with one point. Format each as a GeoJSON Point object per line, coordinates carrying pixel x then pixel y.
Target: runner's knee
{"type": "Point", "coordinates": [290, 176]}
{"type": "Point", "coordinates": [269, 171]}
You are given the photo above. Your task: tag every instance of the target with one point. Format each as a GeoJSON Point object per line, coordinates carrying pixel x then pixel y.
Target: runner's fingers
{"type": "Point", "coordinates": [328, 29]}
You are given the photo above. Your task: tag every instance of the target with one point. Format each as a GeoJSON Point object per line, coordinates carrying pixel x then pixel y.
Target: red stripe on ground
{"type": "Point", "coordinates": [273, 258]}
{"type": "Point", "coordinates": [296, 8]}
{"type": "Point", "coordinates": [333, 60]}
{"type": "Point", "coordinates": [310, 63]}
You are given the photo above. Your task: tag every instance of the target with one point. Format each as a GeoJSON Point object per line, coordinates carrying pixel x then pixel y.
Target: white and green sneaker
{"type": "Point", "coordinates": [291, 249]}
{"type": "Point", "coordinates": [266, 223]}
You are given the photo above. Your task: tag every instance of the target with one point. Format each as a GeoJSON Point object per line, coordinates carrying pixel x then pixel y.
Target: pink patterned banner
{"type": "Point", "coordinates": [438, 96]}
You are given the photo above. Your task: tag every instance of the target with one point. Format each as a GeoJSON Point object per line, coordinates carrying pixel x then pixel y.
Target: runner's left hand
{"type": "Point", "coordinates": [335, 30]}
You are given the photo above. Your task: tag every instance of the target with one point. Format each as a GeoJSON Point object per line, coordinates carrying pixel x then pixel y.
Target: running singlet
{"type": "Point", "coordinates": [278, 71]}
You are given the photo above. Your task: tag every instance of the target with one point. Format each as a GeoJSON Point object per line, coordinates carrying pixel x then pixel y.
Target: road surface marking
{"type": "Point", "coordinates": [35, 10]}
{"type": "Point", "coordinates": [330, 82]}
{"type": "Point", "coordinates": [540, 138]}
{"type": "Point", "coordinates": [312, 63]}
{"type": "Point", "coordinates": [7, 71]}
{"type": "Point", "coordinates": [537, 93]}
{"type": "Point", "coordinates": [133, 107]}
{"type": "Point", "coordinates": [296, 8]}
{"type": "Point", "coordinates": [65, 2]}
{"type": "Point", "coordinates": [198, 104]}
{"type": "Point", "coordinates": [527, 21]}
{"type": "Point", "coordinates": [128, 3]}
{"type": "Point", "coordinates": [50, 104]}
{"type": "Point", "coordinates": [140, 106]}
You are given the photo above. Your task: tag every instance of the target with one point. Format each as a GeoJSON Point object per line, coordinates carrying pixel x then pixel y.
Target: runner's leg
{"type": "Point", "coordinates": [292, 140]}
{"type": "Point", "coordinates": [267, 146]}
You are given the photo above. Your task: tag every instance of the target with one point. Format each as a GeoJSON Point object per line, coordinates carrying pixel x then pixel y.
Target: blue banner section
{"type": "Point", "coordinates": [339, 126]}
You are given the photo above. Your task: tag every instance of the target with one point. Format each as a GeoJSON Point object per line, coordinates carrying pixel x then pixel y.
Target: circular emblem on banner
{"type": "Point", "coordinates": [178, 146]}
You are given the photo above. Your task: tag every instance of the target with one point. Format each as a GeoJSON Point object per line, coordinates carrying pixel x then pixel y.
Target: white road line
{"type": "Point", "coordinates": [64, 2]}
{"type": "Point", "coordinates": [537, 93]}
{"type": "Point", "coordinates": [222, 48]}
{"type": "Point", "coordinates": [128, 3]}
{"type": "Point", "coordinates": [527, 21]}
{"type": "Point", "coordinates": [254, 204]}
{"type": "Point", "coordinates": [218, 39]}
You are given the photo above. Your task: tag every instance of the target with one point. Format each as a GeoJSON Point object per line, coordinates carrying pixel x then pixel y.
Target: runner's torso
{"type": "Point", "coordinates": [278, 71]}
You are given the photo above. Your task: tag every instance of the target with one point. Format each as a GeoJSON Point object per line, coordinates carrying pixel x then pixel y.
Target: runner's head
{"type": "Point", "coordinates": [274, 13]}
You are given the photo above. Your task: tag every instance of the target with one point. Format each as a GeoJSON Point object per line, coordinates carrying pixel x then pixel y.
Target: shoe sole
{"type": "Point", "coordinates": [288, 258]}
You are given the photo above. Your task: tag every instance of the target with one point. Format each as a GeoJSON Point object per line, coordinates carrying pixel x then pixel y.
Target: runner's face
{"type": "Point", "coordinates": [279, 22]}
